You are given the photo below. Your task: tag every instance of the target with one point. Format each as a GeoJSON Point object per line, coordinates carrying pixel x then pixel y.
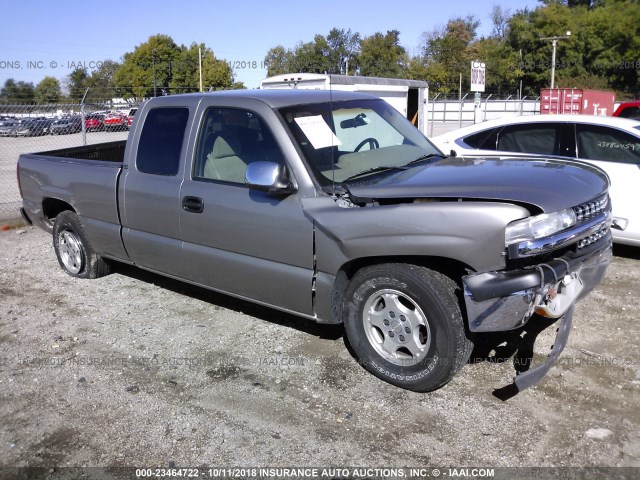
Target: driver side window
{"type": "Point", "coordinates": [229, 140]}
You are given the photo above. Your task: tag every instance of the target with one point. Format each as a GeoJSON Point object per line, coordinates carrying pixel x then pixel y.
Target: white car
{"type": "Point", "coordinates": [611, 143]}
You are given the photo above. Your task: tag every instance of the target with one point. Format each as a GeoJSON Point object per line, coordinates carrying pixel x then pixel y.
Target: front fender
{"type": "Point", "coordinates": [469, 232]}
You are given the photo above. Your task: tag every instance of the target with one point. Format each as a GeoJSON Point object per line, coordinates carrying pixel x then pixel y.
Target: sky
{"type": "Point", "coordinates": [40, 38]}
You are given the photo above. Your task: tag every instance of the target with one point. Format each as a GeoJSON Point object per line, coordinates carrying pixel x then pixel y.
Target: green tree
{"type": "Point", "coordinates": [601, 52]}
{"type": "Point", "coordinates": [17, 92]}
{"type": "Point", "coordinates": [101, 82]}
{"type": "Point", "coordinates": [526, 30]}
{"type": "Point", "coordinates": [77, 83]}
{"type": "Point", "coordinates": [147, 71]}
{"type": "Point", "coordinates": [500, 20]}
{"type": "Point", "coordinates": [503, 69]}
{"type": "Point", "coordinates": [216, 74]}
{"type": "Point", "coordinates": [47, 91]}
{"type": "Point", "coordinates": [311, 57]}
{"type": "Point", "coordinates": [159, 66]}
{"type": "Point", "coordinates": [343, 51]}
{"type": "Point", "coordinates": [278, 61]}
{"type": "Point", "coordinates": [447, 53]}
{"type": "Point", "coordinates": [381, 55]}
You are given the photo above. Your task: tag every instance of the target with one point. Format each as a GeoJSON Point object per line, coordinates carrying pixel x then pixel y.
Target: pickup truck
{"type": "Point", "coordinates": [333, 207]}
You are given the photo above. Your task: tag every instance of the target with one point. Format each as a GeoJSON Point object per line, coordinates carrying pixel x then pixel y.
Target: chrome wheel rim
{"type": "Point", "coordinates": [70, 250]}
{"type": "Point", "coordinates": [396, 327]}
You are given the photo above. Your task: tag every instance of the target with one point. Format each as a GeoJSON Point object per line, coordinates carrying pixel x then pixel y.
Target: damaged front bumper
{"type": "Point", "coordinates": [500, 301]}
{"type": "Point", "coordinates": [505, 300]}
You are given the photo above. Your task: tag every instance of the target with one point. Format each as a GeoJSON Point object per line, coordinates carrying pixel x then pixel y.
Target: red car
{"type": "Point", "coordinates": [115, 121]}
{"type": "Point", "coordinates": [132, 113]}
{"type": "Point", "coordinates": [628, 110]}
{"type": "Point", "coordinates": [94, 122]}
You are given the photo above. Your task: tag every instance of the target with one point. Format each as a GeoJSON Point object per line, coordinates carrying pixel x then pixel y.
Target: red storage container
{"type": "Point", "coordinates": [575, 100]}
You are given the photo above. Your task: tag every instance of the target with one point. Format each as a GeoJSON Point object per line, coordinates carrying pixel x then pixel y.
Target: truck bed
{"type": "Point", "coordinates": [84, 179]}
{"type": "Point", "coordinates": [106, 152]}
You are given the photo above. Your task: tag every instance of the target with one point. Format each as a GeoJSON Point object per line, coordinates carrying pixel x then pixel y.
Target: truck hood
{"type": "Point", "coordinates": [549, 184]}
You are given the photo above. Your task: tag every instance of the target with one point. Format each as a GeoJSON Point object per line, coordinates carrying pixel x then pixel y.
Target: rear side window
{"type": "Point", "coordinates": [485, 140]}
{"type": "Point", "coordinates": [537, 138]}
{"type": "Point", "coordinates": [596, 142]}
{"type": "Point", "coordinates": [161, 141]}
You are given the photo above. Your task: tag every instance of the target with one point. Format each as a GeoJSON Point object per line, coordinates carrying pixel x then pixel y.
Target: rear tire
{"type": "Point", "coordinates": [404, 324]}
{"type": "Point", "coordinates": [74, 252]}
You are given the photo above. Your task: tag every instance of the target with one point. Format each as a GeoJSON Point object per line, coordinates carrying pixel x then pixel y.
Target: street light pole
{"type": "Point", "coordinates": [554, 42]}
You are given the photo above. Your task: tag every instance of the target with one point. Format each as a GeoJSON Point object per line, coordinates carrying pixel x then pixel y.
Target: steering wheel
{"type": "Point", "coordinates": [372, 142]}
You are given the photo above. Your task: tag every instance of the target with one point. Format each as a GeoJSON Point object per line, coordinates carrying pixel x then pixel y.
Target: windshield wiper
{"type": "Point", "coordinates": [381, 168]}
{"type": "Point", "coordinates": [426, 156]}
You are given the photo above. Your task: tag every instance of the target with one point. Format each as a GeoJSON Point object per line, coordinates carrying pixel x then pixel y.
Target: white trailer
{"type": "Point", "coordinates": [409, 97]}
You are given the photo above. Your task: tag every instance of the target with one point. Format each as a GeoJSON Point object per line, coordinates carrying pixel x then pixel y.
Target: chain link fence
{"type": "Point", "coordinates": [40, 128]}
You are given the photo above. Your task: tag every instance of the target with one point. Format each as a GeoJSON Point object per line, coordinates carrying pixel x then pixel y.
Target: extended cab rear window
{"type": "Point", "coordinates": [161, 141]}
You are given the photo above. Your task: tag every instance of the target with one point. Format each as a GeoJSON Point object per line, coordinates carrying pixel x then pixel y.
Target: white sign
{"type": "Point", "coordinates": [478, 76]}
{"type": "Point", "coordinates": [317, 131]}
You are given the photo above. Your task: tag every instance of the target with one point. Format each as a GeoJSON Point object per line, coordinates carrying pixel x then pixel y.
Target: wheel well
{"type": "Point", "coordinates": [52, 207]}
{"type": "Point", "coordinates": [453, 269]}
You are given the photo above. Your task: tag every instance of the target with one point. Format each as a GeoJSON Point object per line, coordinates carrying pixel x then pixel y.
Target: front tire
{"type": "Point", "coordinates": [74, 252]}
{"type": "Point", "coordinates": [404, 324]}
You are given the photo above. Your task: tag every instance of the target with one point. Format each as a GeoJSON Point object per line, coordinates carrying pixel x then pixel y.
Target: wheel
{"type": "Point", "coordinates": [75, 255]}
{"type": "Point", "coordinates": [372, 142]}
{"type": "Point", "coordinates": [405, 326]}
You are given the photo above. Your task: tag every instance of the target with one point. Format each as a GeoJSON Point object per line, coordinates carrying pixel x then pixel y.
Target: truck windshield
{"type": "Point", "coordinates": [345, 140]}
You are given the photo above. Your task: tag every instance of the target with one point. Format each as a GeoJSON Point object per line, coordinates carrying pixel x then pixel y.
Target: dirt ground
{"type": "Point", "coordinates": [140, 371]}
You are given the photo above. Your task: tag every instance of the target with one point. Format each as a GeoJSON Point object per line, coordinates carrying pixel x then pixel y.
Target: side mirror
{"type": "Point", "coordinates": [269, 177]}
{"type": "Point", "coordinates": [453, 153]}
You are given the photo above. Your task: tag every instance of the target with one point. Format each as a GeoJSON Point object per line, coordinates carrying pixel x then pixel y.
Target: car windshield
{"type": "Point", "coordinates": [345, 140]}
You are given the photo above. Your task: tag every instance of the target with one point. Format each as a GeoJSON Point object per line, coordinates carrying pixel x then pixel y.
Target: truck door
{"type": "Point", "coordinates": [240, 240]}
{"type": "Point", "coordinates": [149, 193]}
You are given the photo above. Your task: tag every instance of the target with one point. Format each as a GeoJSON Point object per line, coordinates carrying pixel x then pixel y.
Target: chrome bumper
{"type": "Point", "coordinates": [500, 301]}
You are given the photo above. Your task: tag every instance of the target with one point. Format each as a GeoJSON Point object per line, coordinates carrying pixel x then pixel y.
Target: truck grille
{"type": "Point", "coordinates": [594, 237]}
{"type": "Point", "coordinates": [590, 209]}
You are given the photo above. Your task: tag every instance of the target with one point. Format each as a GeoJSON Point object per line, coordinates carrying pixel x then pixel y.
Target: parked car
{"type": "Point", "coordinates": [115, 121]}
{"type": "Point", "coordinates": [7, 126]}
{"type": "Point", "coordinates": [628, 110]}
{"type": "Point", "coordinates": [94, 122]}
{"type": "Point", "coordinates": [32, 127]}
{"type": "Point", "coordinates": [332, 206]}
{"type": "Point", "coordinates": [66, 125]}
{"type": "Point", "coordinates": [612, 144]}
{"type": "Point", "coordinates": [132, 113]}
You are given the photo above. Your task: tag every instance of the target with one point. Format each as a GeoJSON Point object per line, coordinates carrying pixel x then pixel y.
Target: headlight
{"type": "Point", "coordinates": [539, 226]}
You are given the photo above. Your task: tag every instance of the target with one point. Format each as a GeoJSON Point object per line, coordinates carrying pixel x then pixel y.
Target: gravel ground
{"type": "Point", "coordinates": [137, 370]}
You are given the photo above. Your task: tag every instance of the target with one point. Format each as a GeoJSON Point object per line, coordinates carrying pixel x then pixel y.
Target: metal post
{"type": "Point", "coordinates": [460, 110]}
{"type": "Point", "coordinates": [554, 42]}
{"type": "Point", "coordinates": [153, 59]}
{"type": "Point", "coordinates": [83, 117]}
{"type": "Point", "coordinates": [485, 106]}
{"type": "Point", "coordinates": [200, 66]}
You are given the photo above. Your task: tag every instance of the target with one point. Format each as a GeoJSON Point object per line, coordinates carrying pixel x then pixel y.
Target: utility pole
{"type": "Point", "coordinates": [200, 65]}
{"type": "Point", "coordinates": [554, 42]}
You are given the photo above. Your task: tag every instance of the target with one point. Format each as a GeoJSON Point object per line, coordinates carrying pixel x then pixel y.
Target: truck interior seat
{"type": "Point", "coordinates": [226, 162]}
